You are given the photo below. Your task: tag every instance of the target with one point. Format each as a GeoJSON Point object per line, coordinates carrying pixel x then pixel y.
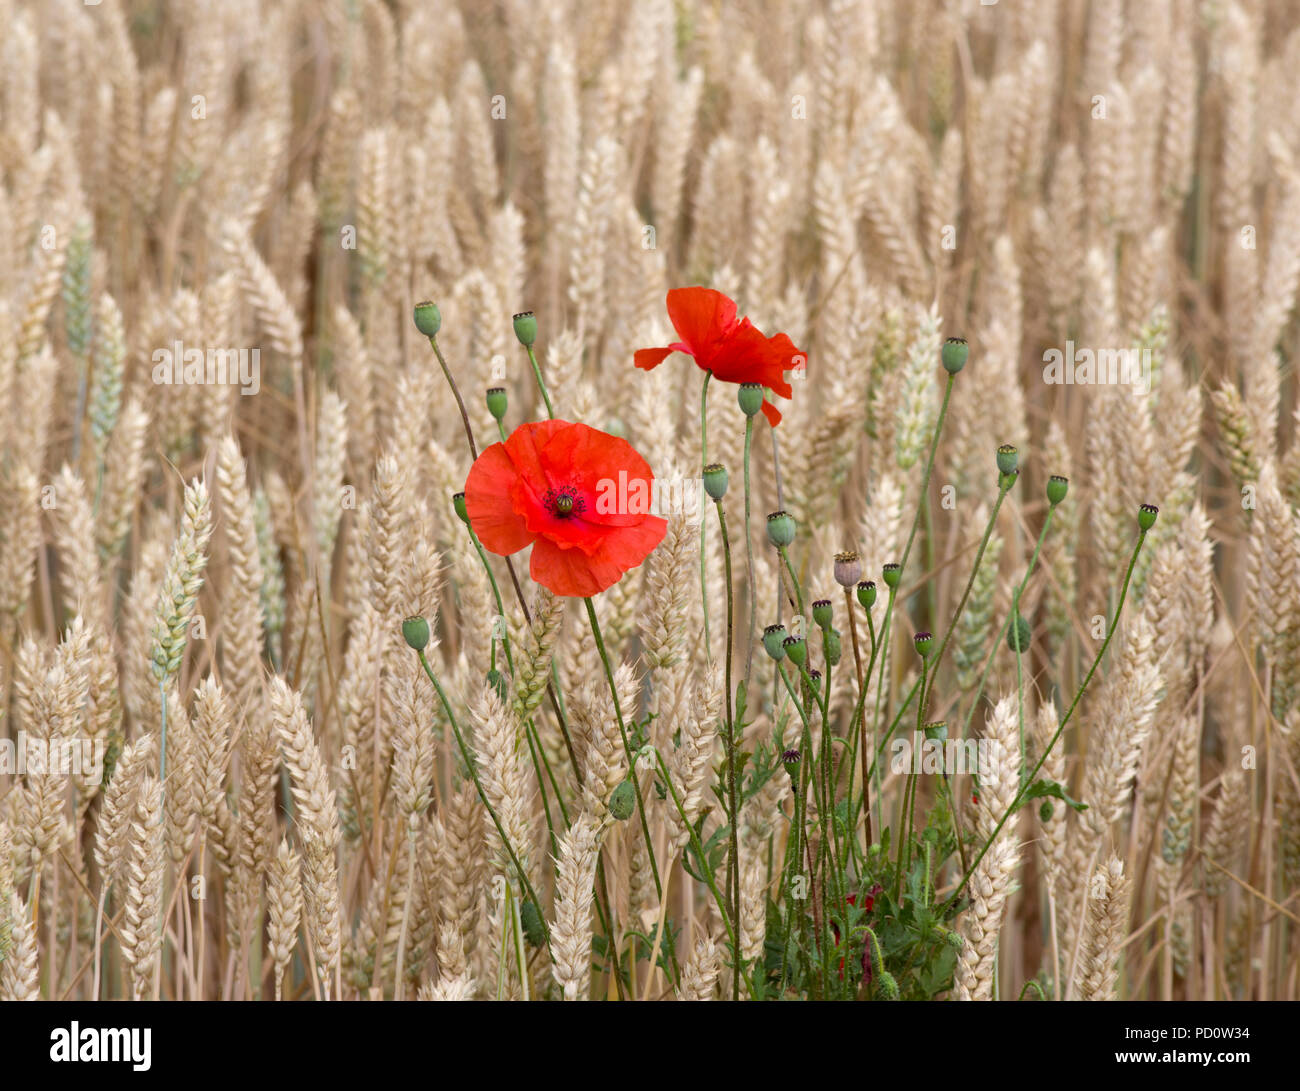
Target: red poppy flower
{"type": "Point", "coordinates": [734, 350]}
{"type": "Point", "coordinates": [579, 497]}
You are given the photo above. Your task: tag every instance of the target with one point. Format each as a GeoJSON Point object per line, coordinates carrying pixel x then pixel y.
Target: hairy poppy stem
{"type": "Point", "coordinates": [460, 402]}
{"type": "Point", "coordinates": [733, 862]}
{"type": "Point", "coordinates": [631, 758]}
{"type": "Point", "coordinates": [470, 766]}
{"type": "Point", "coordinates": [1004, 487]}
{"type": "Point", "coordinates": [704, 461]}
{"type": "Point", "coordinates": [929, 467]}
{"type": "Point", "coordinates": [749, 559]}
{"type": "Point", "coordinates": [541, 383]}
{"type": "Point", "coordinates": [1060, 730]}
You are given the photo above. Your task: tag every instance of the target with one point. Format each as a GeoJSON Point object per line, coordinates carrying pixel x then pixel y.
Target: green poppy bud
{"type": "Point", "coordinates": [922, 642]}
{"type": "Point", "coordinates": [822, 611]}
{"type": "Point", "coordinates": [751, 398]}
{"type": "Point", "coordinates": [1008, 458]}
{"type": "Point", "coordinates": [526, 328]}
{"type": "Point", "coordinates": [531, 922]}
{"type": "Point", "coordinates": [888, 985]}
{"type": "Point", "coordinates": [622, 801]}
{"type": "Point", "coordinates": [1018, 636]}
{"type": "Point", "coordinates": [848, 568]}
{"type": "Point", "coordinates": [415, 631]}
{"type": "Point", "coordinates": [815, 683]}
{"type": "Point", "coordinates": [773, 641]}
{"type": "Point", "coordinates": [462, 512]}
{"type": "Point", "coordinates": [1045, 810]}
{"type": "Point", "coordinates": [496, 402]}
{"type": "Point", "coordinates": [428, 319]}
{"type": "Point", "coordinates": [1005, 481]}
{"type": "Point", "coordinates": [780, 529]}
{"type": "Point", "coordinates": [892, 574]}
{"type": "Point", "coordinates": [867, 594]}
{"type": "Point", "coordinates": [1057, 487]}
{"type": "Point", "coordinates": [715, 480]}
{"type": "Point", "coordinates": [1147, 516]}
{"type": "Point", "coordinates": [954, 353]}
{"type": "Point", "coordinates": [797, 649]}
{"type": "Point", "coordinates": [832, 645]}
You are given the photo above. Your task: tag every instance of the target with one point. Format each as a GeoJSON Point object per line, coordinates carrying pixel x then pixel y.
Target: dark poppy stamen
{"type": "Point", "coordinates": [563, 502]}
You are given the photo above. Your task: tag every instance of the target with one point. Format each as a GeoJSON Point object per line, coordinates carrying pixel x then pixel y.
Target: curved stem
{"type": "Point", "coordinates": [733, 862]}
{"type": "Point", "coordinates": [1060, 730]}
{"type": "Point", "coordinates": [541, 383]}
{"type": "Point", "coordinates": [749, 559]}
{"type": "Point", "coordinates": [704, 461]}
{"type": "Point", "coordinates": [470, 766]}
{"type": "Point", "coordinates": [460, 402]}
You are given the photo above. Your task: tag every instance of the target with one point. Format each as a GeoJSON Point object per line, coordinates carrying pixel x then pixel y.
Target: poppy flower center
{"type": "Point", "coordinates": [563, 502]}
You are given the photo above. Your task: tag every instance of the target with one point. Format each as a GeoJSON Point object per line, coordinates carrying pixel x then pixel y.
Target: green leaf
{"type": "Point", "coordinates": [1040, 789]}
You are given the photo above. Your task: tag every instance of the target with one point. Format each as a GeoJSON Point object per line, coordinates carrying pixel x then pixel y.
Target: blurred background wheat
{"type": "Point", "coordinates": [869, 176]}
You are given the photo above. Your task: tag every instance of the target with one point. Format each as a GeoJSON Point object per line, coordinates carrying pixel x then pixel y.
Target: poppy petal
{"type": "Point", "coordinates": [492, 513]}
{"type": "Point", "coordinates": [702, 317]}
{"type": "Point", "coordinates": [772, 413]}
{"type": "Point", "coordinates": [571, 572]}
{"type": "Point", "coordinates": [648, 359]}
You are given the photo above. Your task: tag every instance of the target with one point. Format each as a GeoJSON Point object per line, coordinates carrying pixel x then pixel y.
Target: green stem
{"type": "Point", "coordinates": [929, 467]}
{"type": "Point", "coordinates": [733, 862]}
{"type": "Point", "coordinates": [1060, 730]}
{"type": "Point", "coordinates": [1003, 487]}
{"type": "Point", "coordinates": [749, 559]}
{"type": "Point", "coordinates": [460, 402]}
{"type": "Point", "coordinates": [709, 878]}
{"type": "Point", "coordinates": [704, 461]}
{"type": "Point", "coordinates": [794, 580]}
{"type": "Point", "coordinates": [631, 758]}
{"type": "Point", "coordinates": [471, 767]}
{"type": "Point", "coordinates": [541, 383]}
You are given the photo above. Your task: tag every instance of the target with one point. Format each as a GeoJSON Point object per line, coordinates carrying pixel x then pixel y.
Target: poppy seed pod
{"type": "Point", "coordinates": [428, 319]}
{"type": "Point", "coordinates": [1005, 481]}
{"type": "Point", "coordinates": [415, 631]}
{"type": "Point", "coordinates": [867, 594]}
{"type": "Point", "coordinates": [750, 398]}
{"type": "Point", "coordinates": [526, 328]}
{"type": "Point", "coordinates": [1057, 487]}
{"type": "Point", "coordinates": [815, 682]}
{"type": "Point", "coordinates": [715, 480]}
{"type": "Point", "coordinates": [1008, 458]}
{"type": "Point", "coordinates": [954, 353]}
{"type": "Point", "coordinates": [1147, 516]}
{"type": "Point", "coordinates": [797, 650]}
{"type": "Point", "coordinates": [923, 642]}
{"type": "Point", "coordinates": [892, 574]}
{"type": "Point", "coordinates": [458, 502]}
{"type": "Point", "coordinates": [774, 641]}
{"type": "Point", "coordinates": [790, 757]}
{"type": "Point", "coordinates": [780, 529]}
{"type": "Point", "coordinates": [832, 646]}
{"type": "Point", "coordinates": [497, 402]}
{"type": "Point", "coordinates": [822, 611]}
{"type": "Point", "coordinates": [936, 731]}
{"type": "Point", "coordinates": [848, 568]}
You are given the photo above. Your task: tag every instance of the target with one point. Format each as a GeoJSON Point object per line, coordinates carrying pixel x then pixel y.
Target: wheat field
{"type": "Point", "coordinates": [1039, 470]}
